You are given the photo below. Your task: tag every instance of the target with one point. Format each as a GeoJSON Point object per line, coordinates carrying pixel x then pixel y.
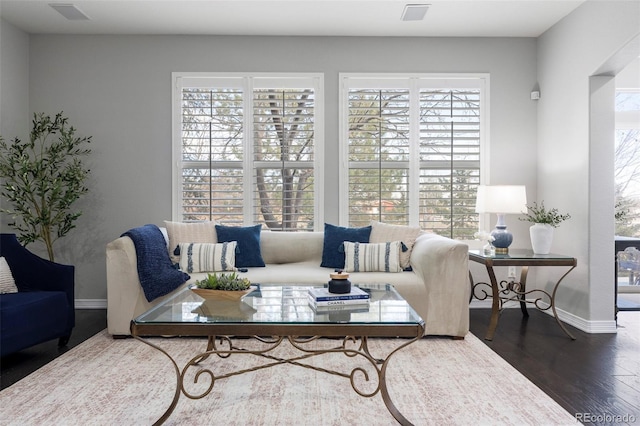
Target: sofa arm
{"type": "Point", "coordinates": [443, 266]}
{"type": "Point", "coordinates": [33, 273]}
{"type": "Point", "coordinates": [123, 285]}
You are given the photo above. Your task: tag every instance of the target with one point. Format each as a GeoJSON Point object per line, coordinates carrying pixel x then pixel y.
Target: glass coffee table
{"type": "Point", "coordinates": [273, 314]}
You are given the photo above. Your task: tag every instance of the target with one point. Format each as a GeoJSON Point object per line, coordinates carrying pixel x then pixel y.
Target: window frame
{"type": "Point", "coordinates": [414, 82]}
{"type": "Point", "coordinates": [626, 120]}
{"type": "Point", "coordinates": [248, 82]}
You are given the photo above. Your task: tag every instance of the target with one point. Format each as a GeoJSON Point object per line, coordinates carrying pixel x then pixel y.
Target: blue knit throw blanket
{"type": "Point", "coordinates": [155, 270]}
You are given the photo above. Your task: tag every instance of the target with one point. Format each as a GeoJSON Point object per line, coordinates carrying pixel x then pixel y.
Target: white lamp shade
{"type": "Point", "coordinates": [507, 199]}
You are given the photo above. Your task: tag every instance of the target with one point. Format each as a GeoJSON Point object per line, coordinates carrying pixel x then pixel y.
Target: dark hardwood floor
{"type": "Point", "coordinates": [597, 375]}
{"type": "Point", "coordinates": [15, 366]}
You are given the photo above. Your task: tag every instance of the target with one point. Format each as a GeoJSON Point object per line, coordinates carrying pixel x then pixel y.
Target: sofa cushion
{"type": "Point", "coordinates": [196, 232]}
{"type": "Point", "coordinates": [7, 283]}
{"type": "Point", "coordinates": [205, 257]}
{"type": "Point", "coordinates": [289, 247]}
{"type": "Point", "coordinates": [31, 317]}
{"type": "Point", "coordinates": [383, 232]}
{"type": "Point", "coordinates": [382, 257]}
{"type": "Point", "coordinates": [334, 236]}
{"type": "Point", "coordinates": [248, 248]}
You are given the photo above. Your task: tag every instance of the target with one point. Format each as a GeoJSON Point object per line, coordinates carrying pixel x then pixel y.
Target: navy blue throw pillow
{"type": "Point", "coordinates": [334, 236]}
{"type": "Point", "coordinates": [248, 248]}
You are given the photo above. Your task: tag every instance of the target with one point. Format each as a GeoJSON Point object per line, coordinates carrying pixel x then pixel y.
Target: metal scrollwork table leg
{"type": "Point", "coordinates": [520, 291]}
{"type": "Point", "coordinates": [379, 365]}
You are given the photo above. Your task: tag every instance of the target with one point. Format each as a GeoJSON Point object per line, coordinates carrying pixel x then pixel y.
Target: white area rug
{"type": "Point", "coordinates": [434, 381]}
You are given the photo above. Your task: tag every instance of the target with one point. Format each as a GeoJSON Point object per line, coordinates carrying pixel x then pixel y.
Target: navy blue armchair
{"type": "Point", "coordinates": [43, 307]}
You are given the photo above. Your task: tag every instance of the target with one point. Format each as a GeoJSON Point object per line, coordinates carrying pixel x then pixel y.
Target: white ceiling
{"type": "Point", "coordinates": [455, 18]}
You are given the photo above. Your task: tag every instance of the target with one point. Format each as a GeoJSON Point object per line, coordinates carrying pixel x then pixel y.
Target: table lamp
{"type": "Point", "coordinates": [501, 200]}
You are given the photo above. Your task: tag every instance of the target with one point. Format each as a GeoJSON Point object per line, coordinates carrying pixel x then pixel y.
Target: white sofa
{"type": "Point", "coordinates": [437, 288]}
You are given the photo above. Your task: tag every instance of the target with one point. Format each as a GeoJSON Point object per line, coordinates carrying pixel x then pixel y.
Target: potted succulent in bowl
{"type": "Point", "coordinates": [544, 221]}
{"type": "Point", "coordinates": [223, 287]}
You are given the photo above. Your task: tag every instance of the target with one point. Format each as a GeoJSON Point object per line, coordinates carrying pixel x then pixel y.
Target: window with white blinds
{"type": "Point", "coordinates": [246, 149]}
{"type": "Point", "coordinates": [413, 151]}
{"type": "Point", "coordinates": [378, 142]}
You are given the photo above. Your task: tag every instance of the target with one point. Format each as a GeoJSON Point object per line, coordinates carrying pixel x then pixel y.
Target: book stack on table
{"type": "Point", "coordinates": [321, 299]}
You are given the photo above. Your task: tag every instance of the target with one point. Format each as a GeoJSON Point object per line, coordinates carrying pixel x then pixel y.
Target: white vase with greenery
{"type": "Point", "coordinates": [544, 221]}
{"type": "Point", "coordinates": [541, 237]}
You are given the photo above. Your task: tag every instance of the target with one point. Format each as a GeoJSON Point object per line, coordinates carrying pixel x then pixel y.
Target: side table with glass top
{"type": "Point", "coordinates": [505, 291]}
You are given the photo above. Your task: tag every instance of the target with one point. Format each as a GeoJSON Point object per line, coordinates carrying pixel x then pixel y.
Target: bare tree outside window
{"type": "Point", "coordinates": [627, 168]}
{"type": "Point", "coordinates": [214, 168]}
{"type": "Point", "coordinates": [378, 156]}
{"type": "Point", "coordinates": [212, 155]}
{"type": "Point", "coordinates": [450, 161]}
{"type": "Point", "coordinates": [283, 138]}
{"type": "Point", "coordinates": [447, 145]}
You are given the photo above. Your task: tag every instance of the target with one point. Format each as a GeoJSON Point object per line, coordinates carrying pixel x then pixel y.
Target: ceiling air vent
{"type": "Point", "coordinates": [69, 11]}
{"type": "Point", "coordinates": [414, 12]}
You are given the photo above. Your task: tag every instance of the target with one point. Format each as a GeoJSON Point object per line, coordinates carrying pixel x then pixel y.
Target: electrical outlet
{"type": "Point", "coordinates": [512, 272]}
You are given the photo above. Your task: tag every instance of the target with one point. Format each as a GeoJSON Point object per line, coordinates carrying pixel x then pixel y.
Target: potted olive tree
{"type": "Point", "coordinates": [42, 178]}
{"type": "Point", "coordinates": [544, 221]}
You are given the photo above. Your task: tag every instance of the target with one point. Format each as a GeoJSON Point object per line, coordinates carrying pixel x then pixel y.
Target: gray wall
{"type": "Point", "coordinates": [575, 143]}
{"type": "Point", "coordinates": [14, 82]}
{"type": "Point", "coordinates": [118, 89]}
{"type": "Point", "coordinates": [14, 88]}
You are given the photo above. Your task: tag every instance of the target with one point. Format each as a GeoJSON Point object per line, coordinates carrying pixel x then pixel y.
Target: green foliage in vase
{"type": "Point", "coordinates": [227, 282]}
{"type": "Point", "coordinates": [539, 214]}
{"type": "Point", "coordinates": [42, 178]}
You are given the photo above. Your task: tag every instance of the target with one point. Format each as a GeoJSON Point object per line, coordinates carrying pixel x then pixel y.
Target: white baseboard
{"type": "Point", "coordinates": [91, 303]}
{"type": "Point", "coordinates": [480, 304]}
{"type": "Point", "coordinates": [486, 304]}
{"type": "Point", "coordinates": [592, 327]}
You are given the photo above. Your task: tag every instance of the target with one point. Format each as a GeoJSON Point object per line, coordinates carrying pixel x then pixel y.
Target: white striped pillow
{"type": "Point", "coordinates": [381, 257]}
{"type": "Point", "coordinates": [207, 257]}
{"type": "Point", "coordinates": [189, 232]}
{"type": "Point", "coordinates": [7, 283]}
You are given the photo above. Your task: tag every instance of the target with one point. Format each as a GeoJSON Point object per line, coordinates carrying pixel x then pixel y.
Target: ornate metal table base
{"type": "Point", "coordinates": [224, 347]}
{"type": "Point", "coordinates": [507, 291]}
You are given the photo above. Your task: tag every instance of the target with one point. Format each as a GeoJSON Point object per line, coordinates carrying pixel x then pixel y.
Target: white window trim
{"type": "Point", "coordinates": [413, 80]}
{"type": "Point", "coordinates": [240, 79]}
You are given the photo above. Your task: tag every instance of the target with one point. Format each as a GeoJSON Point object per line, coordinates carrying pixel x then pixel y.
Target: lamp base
{"type": "Point", "coordinates": [502, 239]}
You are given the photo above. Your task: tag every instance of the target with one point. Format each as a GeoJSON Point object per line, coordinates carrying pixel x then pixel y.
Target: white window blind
{"type": "Point", "coordinates": [378, 155]}
{"type": "Point", "coordinates": [413, 150]}
{"type": "Point", "coordinates": [283, 127]}
{"type": "Point", "coordinates": [212, 154]}
{"type": "Point", "coordinates": [449, 161]}
{"type": "Point", "coordinates": [246, 149]}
